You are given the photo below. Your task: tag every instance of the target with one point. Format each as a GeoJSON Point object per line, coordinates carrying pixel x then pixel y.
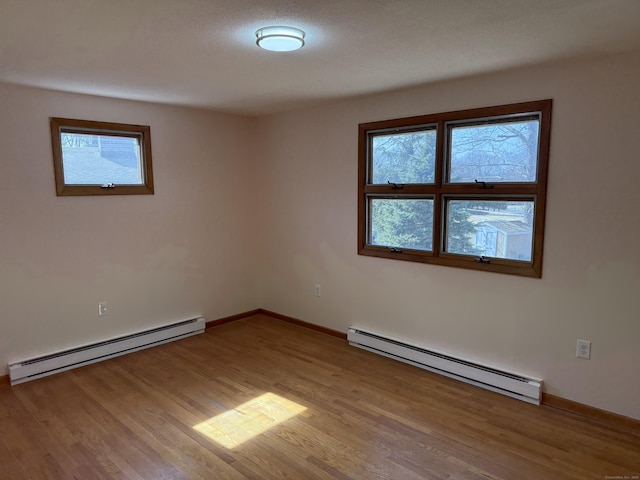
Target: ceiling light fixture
{"type": "Point", "coordinates": [280, 39]}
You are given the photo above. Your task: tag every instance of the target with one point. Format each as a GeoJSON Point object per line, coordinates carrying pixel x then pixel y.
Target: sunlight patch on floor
{"type": "Point", "coordinates": [234, 427]}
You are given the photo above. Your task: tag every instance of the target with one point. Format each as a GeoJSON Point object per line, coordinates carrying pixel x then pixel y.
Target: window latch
{"type": "Point", "coordinates": [108, 185]}
{"type": "Point", "coordinates": [395, 250]}
{"type": "Point", "coordinates": [483, 184]}
{"type": "Point", "coordinates": [395, 186]}
{"type": "Point", "coordinates": [483, 259]}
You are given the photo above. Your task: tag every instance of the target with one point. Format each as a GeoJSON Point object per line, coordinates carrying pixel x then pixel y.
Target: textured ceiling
{"type": "Point", "coordinates": [202, 52]}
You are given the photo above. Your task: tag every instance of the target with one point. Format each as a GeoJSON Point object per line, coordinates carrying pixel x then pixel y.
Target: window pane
{"type": "Point", "coordinates": [493, 153]}
{"type": "Point", "coordinates": [403, 157]}
{"type": "Point", "coordinates": [401, 223]}
{"type": "Point", "coordinates": [101, 159]}
{"type": "Point", "coordinates": [492, 228]}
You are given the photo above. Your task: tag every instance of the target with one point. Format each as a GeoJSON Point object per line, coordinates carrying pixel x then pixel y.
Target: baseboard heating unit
{"type": "Point", "coordinates": [20, 372]}
{"type": "Point", "coordinates": [513, 385]}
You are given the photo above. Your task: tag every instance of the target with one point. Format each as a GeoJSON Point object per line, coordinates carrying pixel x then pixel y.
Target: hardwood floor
{"type": "Point", "coordinates": [354, 415]}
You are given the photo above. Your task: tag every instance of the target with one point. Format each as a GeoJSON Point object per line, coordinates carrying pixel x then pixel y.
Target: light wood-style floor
{"type": "Point", "coordinates": [360, 416]}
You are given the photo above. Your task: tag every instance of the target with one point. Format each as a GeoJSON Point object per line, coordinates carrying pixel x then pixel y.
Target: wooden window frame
{"type": "Point", "coordinates": [67, 125]}
{"type": "Point", "coordinates": [441, 189]}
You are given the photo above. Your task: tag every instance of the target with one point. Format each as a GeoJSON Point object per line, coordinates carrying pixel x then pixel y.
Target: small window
{"type": "Point", "coordinates": [464, 189]}
{"type": "Point", "coordinates": [100, 158]}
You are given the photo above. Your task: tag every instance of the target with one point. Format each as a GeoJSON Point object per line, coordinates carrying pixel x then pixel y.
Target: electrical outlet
{"type": "Point", "coordinates": [317, 290]}
{"type": "Point", "coordinates": [583, 349]}
{"type": "Point", "coordinates": [103, 309]}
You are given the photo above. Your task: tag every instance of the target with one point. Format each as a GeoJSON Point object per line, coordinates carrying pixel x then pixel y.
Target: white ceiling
{"type": "Point", "coordinates": [202, 52]}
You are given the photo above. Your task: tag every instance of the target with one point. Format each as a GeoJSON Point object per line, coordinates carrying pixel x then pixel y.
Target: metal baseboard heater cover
{"type": "Point", "coordinates": [20, 372]}
{"type": "Point", "coordinates": [510, 384]}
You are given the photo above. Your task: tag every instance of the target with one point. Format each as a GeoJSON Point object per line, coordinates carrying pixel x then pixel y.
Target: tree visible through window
{"type": "Point", "coordinates": [465, 188]}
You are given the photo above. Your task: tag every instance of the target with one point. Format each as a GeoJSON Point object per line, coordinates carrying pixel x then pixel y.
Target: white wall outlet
{"type": "Point", "coordinates": [317, 290]}
{"type": "Point", "coordinates": [583, 349]}
{"type": "Point", "coordinates": [103, 309]}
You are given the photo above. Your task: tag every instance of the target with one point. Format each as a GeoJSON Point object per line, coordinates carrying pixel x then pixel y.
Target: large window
{"type": "Point", "coordinates": [465, 189]}
{"type": "Point", "coordinates": [101, 158]}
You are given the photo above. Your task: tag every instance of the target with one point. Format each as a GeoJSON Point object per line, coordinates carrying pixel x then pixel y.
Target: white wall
{"type": "Point", "coordinates": [185, 251]}
{"type": "Point", "coordinates": [591, 270]}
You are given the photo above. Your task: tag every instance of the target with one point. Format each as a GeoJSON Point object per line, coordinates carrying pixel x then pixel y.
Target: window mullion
{"type": "Point", "coordinates": [494, 190]}
{"type": "Point", "coordinates": [439, 176]}
{"type": "Point", "coordinates": [403, 190]}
